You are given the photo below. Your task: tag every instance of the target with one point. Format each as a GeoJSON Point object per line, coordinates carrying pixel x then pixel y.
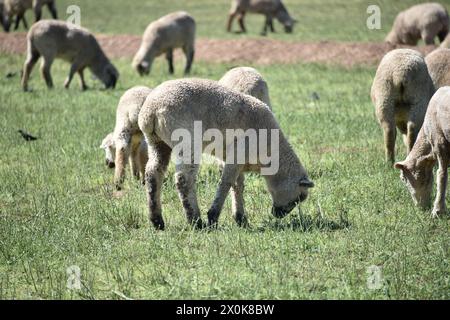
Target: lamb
{"type": "Point", "coordinates": [183, 110]}
{"type": "Point", "coordinates": [432, 146]}
{"type": "Point", "coordinates": [19, 7]}
{"type": "Point", "coordinates": [438, 62]}
{"type": "Point", "coordinates": [270, 8]}
{"type": "Point", "coordinates": [126, 142]}
{"type": "Point", "coordinates": [400, 92]}
{"type": "Point", "coordinates": [175, 30]}
{"type": "Point", "coordinates": [426, 21]}
{"type": "Point", "coordinates": [57, 39]}
{"type": "Point", "coordinates": [249, 81]}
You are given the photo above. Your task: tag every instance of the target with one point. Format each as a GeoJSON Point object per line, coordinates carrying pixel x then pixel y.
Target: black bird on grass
{"type": "Point", "coordinates": [26, 136]}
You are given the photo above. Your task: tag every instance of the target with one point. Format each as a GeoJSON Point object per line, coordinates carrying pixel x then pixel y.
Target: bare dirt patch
{"type": "Point", "coordinates": [255, 51]}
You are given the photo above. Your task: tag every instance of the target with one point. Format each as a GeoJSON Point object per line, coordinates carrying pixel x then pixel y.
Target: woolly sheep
{"type": "Point", "coordinates": [432, 146]}
{"type": "Point", "coordinates": [126, 142]}
{"type": "Point", "coordinates": [247, 80]}
{"type": "Point", "coordinates": [423, 21]}
{"type": "Point", "coordinates": [175, 30]}
{"type": "Point", "coordinates": [57, 39]}
{"type": "Point", "coordinates": [400, 92]}
{"type": "Point", "coordinates": [438, 63]}
{"type": "Point", "coordinates": [270, 8]}
{"type": "Point", "coordinates": [19, 7]}
{"type": "Point", "coordinates": [176, 106]}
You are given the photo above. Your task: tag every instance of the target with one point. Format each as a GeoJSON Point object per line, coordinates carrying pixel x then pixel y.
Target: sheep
{"type": "Point", "coordinates": [57, 39]}
{"type": "Point", "coordinates": [438, 62]}
{"type": "Point", "coordinates": [19, 7]}
{"type": "Point", "coordinates": [400, 92]}
{"type": "Point", "coordinates": [423, 21]}
{"type": "Point", "coordinates": [270, 8]}
{"type": "Point", "coordinates": [180, 109]}
{"type": "Point", "coordinates": [432, 146]}
{"type": "Point", "coordinates": [249, 81]}
{"type": "Point", "coordinates": [126, 142]}
{"type": "Point", "coordinates": [175, 30]}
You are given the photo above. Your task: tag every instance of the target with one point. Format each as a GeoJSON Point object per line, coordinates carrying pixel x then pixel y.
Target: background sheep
{"type": "Point", "coordinates": [423, 21]}
{"type": "Point", "coordinates": [177, 104]}
{"type": "Point", "coordinates": [438, 63]}
{"type": "Point", "coordinates": [432, 146]}
{"type": "Point", "coordinates": [247, 80]}
{"type": "Point", "coordinates": [175, 30]}
{"type": "Point", "coordinates": [19, 7]}
{"type": "Point", "coordinates": [57, 39]}
{"type": "Point", "coordinates": [270, 8]}
{"type": "Point", "coordinates": [400, 92]}
{"type": "Point", "coordinates": [126, 143]}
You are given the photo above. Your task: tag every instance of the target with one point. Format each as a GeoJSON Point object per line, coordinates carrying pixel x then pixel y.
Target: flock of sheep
{"type": "Point", "coordinates": [409, 92]}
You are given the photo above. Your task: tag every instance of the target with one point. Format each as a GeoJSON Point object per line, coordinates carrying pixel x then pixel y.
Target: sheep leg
{"type": "Point", "coordinates": [32, 58]}
{"type": "Point", "coordinates": [7, 22]}
{"type": "Point", "coordinates": [52, 8]}
{"type": "Point", "coordinates": [237, 199]}
{"type": "Point", "coordinates": [241, 22]}
{"type": "Point", "coordinates": [73, 70]}
{"type": "Point", "coordinates": [159, 157]}
{"type": "Point", "coordinates": [411, 136]}
{"type": "Point", "coordinates": [390, 133]}
{"type": "Point", "coordinates": [231, 17]}
{"type": "Point", "coordinates": [134, 159]}
{"type": "Point", "coordinates": [442, 178]}
{"type": "Point", "coordinates": [272, 29]}
{"type": "Point", "coordinates": [83, 83]}
{"type": "Point", "coordinates": [428, 38]}
{"type": "Point", "coordinates": [229, 176]}
{"type": "Point", "coordinates": [189, 53]}
{"type": "Point", "coordinates": [169, 57]}
{"type": "Point", "coordinates": [17, 22]}
{"type": "Point", "coordinates": [143, 159]}
{"type": "Point", "coordinates": [45, 70]}
{"type": "Point", "coordinates": [122, 154]}
{"type": "Point", "coordinates": [185, 177]}
{"type": "Point", "coordinates": [37, 11]}
{"type": "Point", "coordinates": [24, 22]}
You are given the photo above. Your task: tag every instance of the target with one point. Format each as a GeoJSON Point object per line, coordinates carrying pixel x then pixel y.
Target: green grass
{"type": "Point", "coordinates": [57, 208]}
{"type": "Point", "coordinates": [341, 20]}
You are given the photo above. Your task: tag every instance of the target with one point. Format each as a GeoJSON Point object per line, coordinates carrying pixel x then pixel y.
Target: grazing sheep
{"type": "Point", "coordinates": [438, 63]}
{"type": "Point", "coordinates": [57, 39]}
{"type": "Point", "coordinates": [270, 8]}
{"type": "Point", "coordinates": [247, 80]}
{"type": "Point", "coordinates": [175, 30]}
{"type": "Point", "coordinates": [126, 142]}
{"type": "Point", "coordinates": [400, 92]}
{"type": "Point", "coordinates": [423, 21]}
{"type": "Point", "coordinates": [189, 107]}
{"type": "Point", "coordinates": [432, 146]}
{"type": "Point", "coordinates": [19, 7]}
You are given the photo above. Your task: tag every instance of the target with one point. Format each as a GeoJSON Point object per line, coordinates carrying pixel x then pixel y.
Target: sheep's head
{"type": "Point", "coordinates": [287, 194]}
{"type": "Point", "coordinates": [143, 68]}
{"type": "Point", "coordinates": [109, 76]}
{"type": "Point", "coordinates": [417, 175]}
{"type": "Point", "coordinates": [110, 150]}
{"type": "Point", "coordinates": [286, 20]}
{"type": "Point", "coordinates": [392, 38]}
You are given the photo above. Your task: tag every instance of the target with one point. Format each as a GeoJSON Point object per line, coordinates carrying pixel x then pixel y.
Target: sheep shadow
{"type": "Point", "coordinates": [304, 223]}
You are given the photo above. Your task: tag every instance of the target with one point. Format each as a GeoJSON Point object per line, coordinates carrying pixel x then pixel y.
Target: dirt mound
{"type": "Point", "coordinates": [256, 51]}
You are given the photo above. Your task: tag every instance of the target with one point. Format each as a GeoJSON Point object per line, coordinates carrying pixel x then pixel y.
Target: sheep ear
{"type": "Point", "coordinates": [305, 182]}
{"type": "Point", "coordinates": [400, 165]}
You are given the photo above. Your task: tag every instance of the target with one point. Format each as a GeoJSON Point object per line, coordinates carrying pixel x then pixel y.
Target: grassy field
{"type": "Point", "coordinates": [341, 20]}
{"type": "Point", "coordinates": [57, 208]}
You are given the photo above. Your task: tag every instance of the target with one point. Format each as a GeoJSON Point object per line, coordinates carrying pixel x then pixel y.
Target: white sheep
{"type": "Point", "coordinates": [432, 146]}
{"type": "Point", "coordinates": [400, 92]}
{"type": "Point", "coordinates": [19, 7]}
{"type": "Point", "coordinates": [175, 109]}
{"type": "Point", "coordinates": [423, 21]}
{"type": "Point", "coordinates": [249, 81]}
{"type": "Point", "coordinates": [175, 30]}
{"type": "Point", "coordinates": [269, 8]}
{"type": "Point", "coordinates": [57, 39]}
{"type": "Point", "coordinates": [127, 143]}
{"type": "Point", "coordinates": [438, 63]}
